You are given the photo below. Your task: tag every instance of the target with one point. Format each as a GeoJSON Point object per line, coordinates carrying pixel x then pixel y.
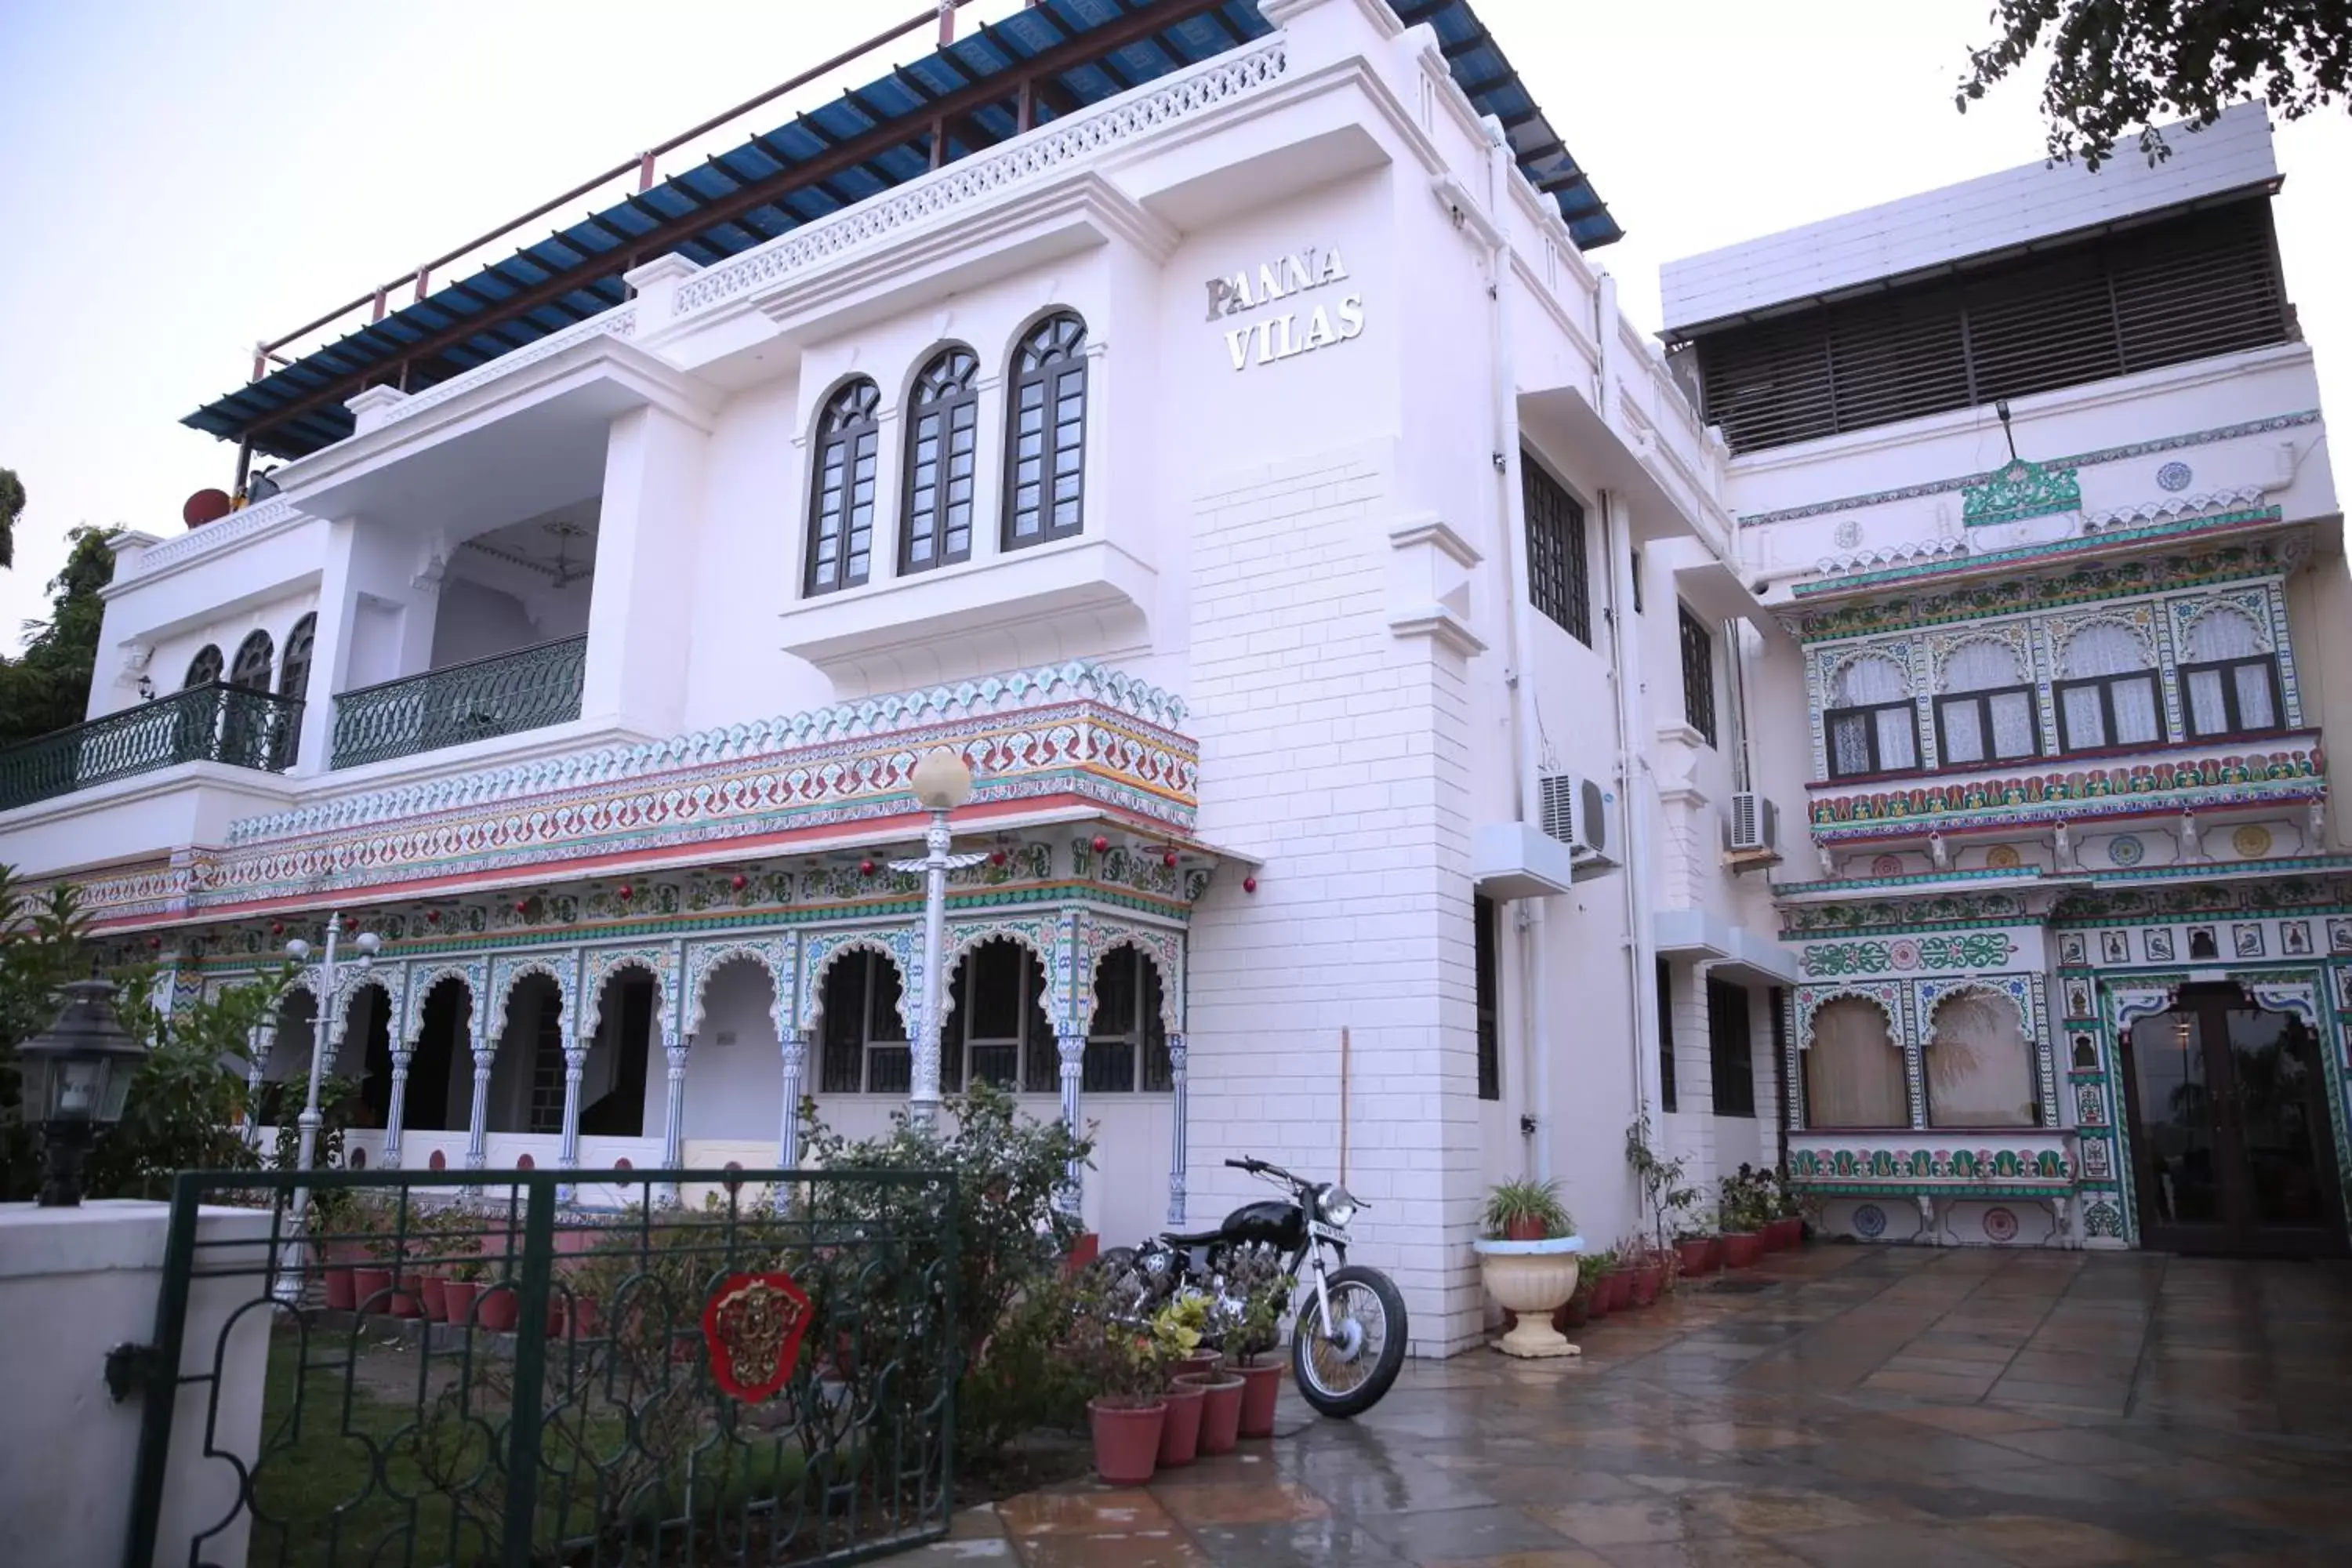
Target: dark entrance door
{"type": "Point", "coordinates": [2231, 1149]}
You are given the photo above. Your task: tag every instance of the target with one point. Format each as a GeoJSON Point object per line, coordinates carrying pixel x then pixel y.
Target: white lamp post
{"type": "Point", "coordinates": [941, 783]}
{"type": "Point", "coordinates": [324, 976]}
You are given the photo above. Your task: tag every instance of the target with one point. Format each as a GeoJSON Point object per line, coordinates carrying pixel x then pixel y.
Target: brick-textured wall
{"type": "Point", "coordinates": [1336, 751]}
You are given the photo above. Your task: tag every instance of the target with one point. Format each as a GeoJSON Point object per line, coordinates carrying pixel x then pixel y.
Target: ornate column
{"type": "Point", "coordinates": [795, 1044]}
{"type": "Point", "coordinates": [1176, 1077]}
{"type": "Point", "coordinates": [477, 1114]}
{"type": "Point", "coordinates": [1072, 1049]}
{"type": "Point", "coordinates": [673, 1049]}
{"type": "Point", "coordinates": [575, 1069]}
{"type": "Point", "coordinates": [396, 1113]}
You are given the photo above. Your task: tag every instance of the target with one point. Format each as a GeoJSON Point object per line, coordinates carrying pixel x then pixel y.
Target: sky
{"type": "Point", "coordinates": [187, 179]}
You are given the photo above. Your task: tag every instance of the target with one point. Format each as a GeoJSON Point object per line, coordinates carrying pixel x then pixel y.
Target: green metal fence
{"type": "Point", "coordinates": [214, 723]}
{"type": "Point", "coordinates": [763, 1377]}
{"type": "Point", "coordinates": [501, 695]}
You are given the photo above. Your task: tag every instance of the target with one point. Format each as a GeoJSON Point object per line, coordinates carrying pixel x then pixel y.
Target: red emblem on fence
{"type": "Point", "coordinates": [753, 1326]}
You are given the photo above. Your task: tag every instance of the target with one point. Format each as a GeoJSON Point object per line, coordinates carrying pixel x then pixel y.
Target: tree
{"type": "Point", "coordinates": [2119, 66]}
{"type": "Point", "coordinates": [47, 687]}
{"type": "Point", "coordinates": [11, 507]}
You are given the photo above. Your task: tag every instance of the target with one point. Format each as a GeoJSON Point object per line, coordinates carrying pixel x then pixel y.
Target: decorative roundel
{"type": "Point", "coordinates": [2126, 849]}
{"type": "Point", "coordinates": [1903, 955]}
{"type": "Point", "coordinates": [1999, 1225]}
{"type": "Point", "coordinates": [1849, 534]}
{"type": "Point", "coordinates": [1887, 866]}
{"type": "Point", "coordinates": [439, 1162]}
{"type": "Point", "coordinates": [1869, 1220]}
{"type": "Point", "coordinates": [2003, 857]}
{"type": "Point", "coordinates": [2173, 477]}
{"type": "Point", "coordinates": [2252, 842]}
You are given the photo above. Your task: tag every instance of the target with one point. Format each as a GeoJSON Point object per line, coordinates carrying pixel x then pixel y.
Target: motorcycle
{"type": "Point", "coordinates": [1348, 1338]}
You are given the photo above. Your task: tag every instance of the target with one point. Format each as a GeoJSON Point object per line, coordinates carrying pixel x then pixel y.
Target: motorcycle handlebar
{"type": "Point", "coordinates": [1260, 1168]}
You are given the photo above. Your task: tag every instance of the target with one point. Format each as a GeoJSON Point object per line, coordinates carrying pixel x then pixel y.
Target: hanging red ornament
{"type": "Point", "coordinates": [433, 917]}
{"type": "Point", "coordinates": [278, 928]}
{"type": "Point", "coordinates": [1249, 884]}
{"type": "Point", "coordinates": [155, 944]}
{"type": "Point", "coordinates": [998, 858]}
{"type": "Point", "coordinates": [866, 868]}
{"type": "Point", "coordinates": [625, 892]}
{"type": "Point", "coordinates": [1168, 859]}
{"type": "Point", "coordinates": [742, 882]}
{"type": "Point", "coordinates": [1101, 843]}
{"type": "Point", "coordinates": [522, 906]}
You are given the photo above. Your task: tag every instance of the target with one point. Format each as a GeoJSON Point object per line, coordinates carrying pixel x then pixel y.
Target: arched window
{"type": "Point", "coordinates": [862, 1042]}
{"type": "Point", "coordinates": [1045, 433]}
{"type": "Point", "coordinates": [251, 670]}
{"type": "Point", "coordinates": [204, 668]}
{"type": "Point", "coordinates": [841, 492]}
{"type": "Point", "coordinates": [996, 1029]}
{"type": "Point", "coordinates": [942, 438]}
{"type": "Point", "coordinates": [1980, 1069]}
{"type": "Point", "coordinates": [2107, 696]}
{"type": "Point", "coordinates": [2232, 686]}
{"type": "Point", "coordinates": [1987, 714]}
{"type": "Point", "coordinates": [294, 669]}
{"type": "Point", "coordinates": [1870, 726]}
{"type": "Point", "coordinates": [1127, 1047]}
{"type": "Point", "coordinates": [1854, 1071]}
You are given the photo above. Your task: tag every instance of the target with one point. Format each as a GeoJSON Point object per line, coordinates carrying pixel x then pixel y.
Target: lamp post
{"type": "Point", "coordinates": [941, 782]}
{"type": "Point", "coordinates": [76, 1076]}
{"type": "Point", "coordinates": [289, 1278]}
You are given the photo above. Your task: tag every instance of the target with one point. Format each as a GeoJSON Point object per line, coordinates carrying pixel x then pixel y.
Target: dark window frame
{"type": "Point", "coordinates": [1730, 1048]}
{"type": "Point", "coordinates": [1049, 366]}
{"type": "Point", "coordinates": [1485, 949]}
{"type": "Point", "coordinates": [1128, 1056]}
{"type": "Point", "coordinates": [256, 661]}
{"type": "Point", "coordinates": [2225, 668]}
{"type": "Point", "coordinates": [2105, 685]}
{"type": "Point", "coordinates": [205, 669]}
{"type": "Point", "coordinates": [294, 664]}
{"type": "Point", "coordinates": [1982, 701]}
{"type": "Point", "coordinates": [835, 1035]}
{"type": "Point", "coordinates": [1036, 1053]}
{"type": "Point", "coordinates": [1666, 1093]}
{"type": "Point", "coordinates": [851, 426]}
{"type": "Point", "coordinates": [943, 407]}
{"type": "Point", "coordinates": [1869, 728]}
{"type": "Point", "coordinates": [1559, 571]}
{"type": "Point", "coordinates": [1698, 683]}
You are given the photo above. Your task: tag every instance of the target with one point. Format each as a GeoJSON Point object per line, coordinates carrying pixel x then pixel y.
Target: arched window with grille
{"type": "Point", "coordinates": [294, 669]}
{"type": "Point", "coordinates": [1045, 433]}
{"type": "Point", "coordinates": [1854, 1071]}
{"type": "Point", "coordinates": [942, 440]}
{"type": "Point", "coordinates": [1979, 1069]}
{"type": "Point", "coordinates": [2106, 691]}
{"type": "Point", "coordinates": [841, 490]}
{"type": "Point", "coordinates": [1985, 712]}
{"type": "Point", "coordinates": [204, 668]}
{"type": "Point", "coordinates": [2230, 684]}
{"type": "Point", "coordinates": [1870, 723]}
{"type": "Point", "coordinates": [862, 1045]}
{"type": "Point", "coordinates": [251, 668]}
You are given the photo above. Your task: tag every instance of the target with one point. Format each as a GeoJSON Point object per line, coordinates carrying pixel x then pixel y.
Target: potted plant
{"type": "Point", "coordinates": [1744, 1212]}
{"type": "Point", "coordinates": [1786, 1229]}
{"type": "Point", "coordinates": [1178, 1326]}
{"type": "Point", "coordinates": [1646, 1266]}
{"type": "Point", "coordinates": [1577, 1310]}
{"type": "Point", "coordinates": [1598, 1267]}
{"type": "Point", "coordinates": [1256, 1279]}
{"type": "Point", "coordinates": [1125, 1369]}
{"type": "Point", "coordinates": [339, 1219]}
{"type": "Point", "coordinates": [1667, 1196]}
{"type": "Point", "coordinates": [1531, 1275]}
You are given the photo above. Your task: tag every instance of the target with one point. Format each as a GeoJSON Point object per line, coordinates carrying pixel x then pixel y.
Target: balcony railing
{"type": "Point", "coordinates": [504, 694]}
{"type": "Point", "coordinates": [214, 723]}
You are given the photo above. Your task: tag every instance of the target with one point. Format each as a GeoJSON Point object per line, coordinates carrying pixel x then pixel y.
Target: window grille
{"type": "Point", "coordinates": [250, 671]}
{"type": "Point", "coordinates": [2108, 697]}
{"type": "Point", "coordinates": [863, 1042]}
{"type": "Point", "coordinates": [1731, 1049]}
{"type": "Point", "coordinates": [1665, 1036]}
{"type": "Point", "coordinates": [1490, 1037]}
{"type": "Point", "coordinates": [1128, 1037]}
{"type": "Point", "coordinates": [1871, 725]}
{"type": "Point", "coordinates": [943, 435]}
{"type": "Point", "coordinates": [294, 669]}
{"type": "Point", "coordinates": [204, 668]}
{"type": "Point", "coordinates": [1989, 714]}
{"type": "Point", "coordinates": [841, 491]}
{"type": "Point", "coordinates": [1045, 434]}
{"type": "Point", "coordinates": [1698, 673]}
{"type": "Point", "coordinates": [1557, 573]}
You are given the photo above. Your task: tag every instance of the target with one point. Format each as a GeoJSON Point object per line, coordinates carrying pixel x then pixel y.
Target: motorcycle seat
{"type": "Point", "coordinates": [1196, 1238]}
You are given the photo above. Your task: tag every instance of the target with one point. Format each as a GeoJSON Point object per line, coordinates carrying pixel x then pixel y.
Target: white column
{"type": "Point", "coordinates": [1072, 1049]}
{"type": "Point", "coordinates": [396, 1113]}
{"type": "Point", "coordinates": [924, 1086]}
{"type": "Point", "coordinates": [264, 1041]}
{"type": "Point", "coordinates": [673, 1050]}
{"type": "Point", "coordinates": [575, 1068]}
{"type": "Point", "coordinates": [788, 1134]}
{"type": "Point", "coordinates": [477, 1113]}
{"type": "Point", "coordinates": [1176, 1075]}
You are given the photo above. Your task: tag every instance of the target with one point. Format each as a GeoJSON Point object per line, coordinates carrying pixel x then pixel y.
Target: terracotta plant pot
{"type": "Point", "coordinates": [457, 1300]}
{"type": "Point", "coordinates": [1596, 1302]}
{"type": "Point", "coordinates": [1648, 1280]}
{"type": "Point", "coordinates": [1206, 1362]}
{"type": "Point", "coordinates": [1179, 1434]}
{"type": "Point", "coordinates": [1691, 1253]}
{"type": "Point", "coordinates": [1574, 1313]}
{"type": "Point", "coordinates": [1221, 1411]}
{"type": "Point", "coordinates": [428, 1292]}
{"type": "Point", "coordinates": [403, 1302]}
{"type": "Point", "coordinates": [1785, 1234]}
{"type": "Point", "coordinates": [1713, 1254]}
{"type": "Point", "coordinates": [1621, 1290]}
{"type": "Point", "coordinates": [1127, 1440]}
{"type": "Point", "coordinates": [1261, 1387]}
{"type": "Point", "coordinates": [1741, 1249]}
{"type": "Point", "coordinates": [500, 1307]}
{"type": "Point", "coordinates": [1524, 1230]}
{"type": "Point", "coordinates": [371, 1290]}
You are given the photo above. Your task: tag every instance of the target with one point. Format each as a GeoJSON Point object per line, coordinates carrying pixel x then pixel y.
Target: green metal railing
{"type": "Point", "coordinates": [580, 1397]}
{"type": "Point", "coordinates": [214, 723]}
{"type": "Point", "coordinates": [504, 694]}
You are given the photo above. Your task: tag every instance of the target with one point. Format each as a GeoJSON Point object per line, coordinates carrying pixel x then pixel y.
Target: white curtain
{"type": "Point", "coordinates": [2108, 649]}
{"type": "Point", "coordinates": [2223, 634]}
{"type": "Point", "coordinates": [1979, 1072]}
{"type": "Point", "coordinates": [1899, 738]}
{"type": "Point", "coordinates": [2014, 725]}
{"type": "Point", "coordinates": [2104, 648]}
{"type": "Point", "coordinates": [1869, 681]}
{"type": "Point", "coordinates": [1981, 666]}
{"type": "Point", "coordinates": [1854, 1073]}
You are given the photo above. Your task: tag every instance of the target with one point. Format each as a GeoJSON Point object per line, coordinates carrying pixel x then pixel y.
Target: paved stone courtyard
{"type": "Point", "coordinates": [1892, 1407]}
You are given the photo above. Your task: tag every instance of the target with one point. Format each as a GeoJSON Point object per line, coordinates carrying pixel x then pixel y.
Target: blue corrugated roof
{"type": "Point", "coordinates": [298, 407]}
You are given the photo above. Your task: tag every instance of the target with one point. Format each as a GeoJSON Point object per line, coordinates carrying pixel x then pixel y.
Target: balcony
{"type": "Point", "coordinates": [214, 723]}
{"type": "Point", "coordinates": [2285, 768]}
{"type": "Point", "coordinates": [479, 699]}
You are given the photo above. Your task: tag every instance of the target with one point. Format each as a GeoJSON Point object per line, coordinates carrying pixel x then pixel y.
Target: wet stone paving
{"type": "Point", "coordinates": [1894, 1408]}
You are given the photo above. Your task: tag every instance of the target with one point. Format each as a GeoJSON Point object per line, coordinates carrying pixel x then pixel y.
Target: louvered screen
{"type": "Point", "coordinates": [2191, 287]}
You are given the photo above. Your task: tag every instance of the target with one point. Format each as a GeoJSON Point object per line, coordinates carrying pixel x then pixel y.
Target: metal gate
{"type": "Point", "coordinates": [760, 1373]}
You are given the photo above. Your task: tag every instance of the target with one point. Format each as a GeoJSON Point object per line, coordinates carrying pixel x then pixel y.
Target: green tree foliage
{"type": "Point", "coordinates": [2117, 66]}
{"type": "Point", "coordinates": [11, 507]}
{"type": "Point", "coordinates": [47, 687]}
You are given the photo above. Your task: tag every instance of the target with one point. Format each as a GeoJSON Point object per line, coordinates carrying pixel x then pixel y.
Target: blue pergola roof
{"type": "Point", "coordinates": [1073, 52]}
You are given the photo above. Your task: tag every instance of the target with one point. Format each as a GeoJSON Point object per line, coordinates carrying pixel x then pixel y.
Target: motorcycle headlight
{"type": "Point", "coordinates": [1336, 1205]}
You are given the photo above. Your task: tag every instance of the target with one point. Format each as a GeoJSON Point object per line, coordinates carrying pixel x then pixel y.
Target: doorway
{"type": "Point", "coordinates": [2230, 1147]}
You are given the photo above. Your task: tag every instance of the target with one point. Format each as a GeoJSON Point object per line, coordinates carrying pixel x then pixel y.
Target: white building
{"type": "Point", "coordinates": [1206, 419]}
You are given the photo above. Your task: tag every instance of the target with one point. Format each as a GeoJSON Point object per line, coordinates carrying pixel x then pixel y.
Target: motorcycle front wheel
{"type": "Point", "coordinates": [1344, 1367]}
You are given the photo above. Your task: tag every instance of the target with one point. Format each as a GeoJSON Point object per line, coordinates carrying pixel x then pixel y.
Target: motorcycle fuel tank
{"type": "Point", "coordinates": [1280, 1225]}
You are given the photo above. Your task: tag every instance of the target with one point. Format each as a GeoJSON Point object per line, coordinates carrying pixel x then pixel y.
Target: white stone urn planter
{"type": "Point", "coordinates": [1534, 1279]}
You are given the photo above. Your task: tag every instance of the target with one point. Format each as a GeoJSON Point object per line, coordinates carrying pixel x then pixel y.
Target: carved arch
{"type": "Point", "coordinates": [1882, 994]}
{"type": "Point", "coordinates": [1165, 953]}
{"type": "Point", "coordinates": [2299, 998]}
{"type": "Point", "coordinates": [508, 972]}
{"type": "Point", "coordinates": [601, 966]}
{"type": "Point", "coordinates": [2064, 631]}
{"type": "Point", "coordinates": [1835, 666]}
{"type": "Point", "coordinates": [2011, 639]}
{"type": "Point", "coordinates": [822, 951]}
{"type": "Point", "coordinates": [375, 977]}
{"type": "Point", "coordinates": [2252, 603]}
{"type": "Point", "coordinates": [777, 955]}
{"type": "Point", "coordinates": [966, 936]}
{"type": "Point", "coordinates": [423, 981]}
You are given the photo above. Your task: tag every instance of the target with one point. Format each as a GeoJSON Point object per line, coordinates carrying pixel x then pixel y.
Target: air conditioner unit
{"type": "Point", "coordinates": [1577, 812]}
{"type": "Point", "coordinates": [1752, 831]}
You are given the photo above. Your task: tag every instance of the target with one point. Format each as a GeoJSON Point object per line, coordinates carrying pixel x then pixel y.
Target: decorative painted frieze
{"type": "Point", "coordinates": [2019, 490]}
{"type": "Point", "coordinates": [1967, 950]}
{"type": "Point", "coordinates": [2020, 1164]}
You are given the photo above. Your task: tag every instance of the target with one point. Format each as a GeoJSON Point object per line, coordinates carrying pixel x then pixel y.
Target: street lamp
{"type": "Point", "coordinates": [941, 782]}
{"type": "Point", "coordinates": [76, 1075]}
{"type": "Point", "coordinates": [289, 1278]}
